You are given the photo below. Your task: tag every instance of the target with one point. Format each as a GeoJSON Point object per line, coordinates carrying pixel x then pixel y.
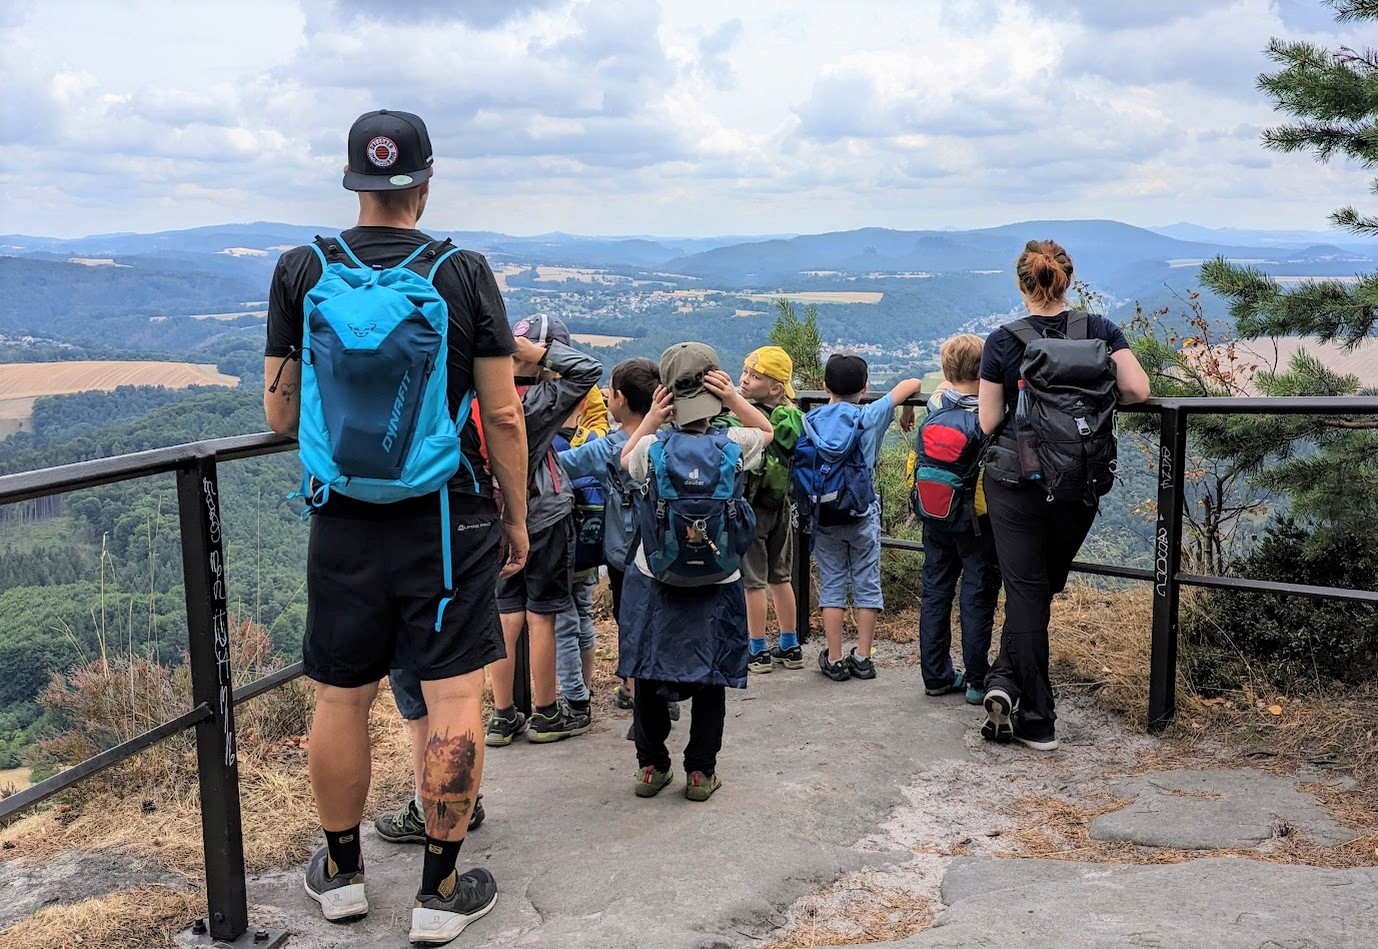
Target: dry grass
{"type": "Point", "coordinates": [867, 912]}
{"type": "Point", "coordinates": [130, 919]}
{"type": "Point", "coordinates": [22, 380]}
{"type": "Point", "coordinates": [1051, 828]}
{"type": "Point", "coordinates": [1100, 643]}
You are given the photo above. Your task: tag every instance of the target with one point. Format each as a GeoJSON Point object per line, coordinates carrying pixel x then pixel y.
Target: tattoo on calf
{"type": "Point", "coordinates": [448, 781]}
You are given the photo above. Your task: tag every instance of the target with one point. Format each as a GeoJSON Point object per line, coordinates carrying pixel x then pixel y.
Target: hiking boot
{"type": "Point", "coordinates": [860, 668]}
{"type": "Point", "coordinates": [1042, 740]}
{"type": "Point", "coordinates": [958, 683]}
{"type": "Point", "coordinates": [649, 781]}
{"type": "Point", "coordinates": [791, 658]}
{"type": "Point", "coordinates": [564, 723]}
{"type": "Point", "coordinates": [700, 786]}
{"type": "Point", "coordinates": [837, 671]}
{"type": "Point", "coordinates": [760, 662]}
{"type": "Point", "coordinates": [997, 726]}
{"type": "Point", "coordinates": [503, 730]}
{"type": "Point", "coordinates": [408, 826]}
{"type": "Point", "coordinates": [672, 708]}
{"type": "Point", "coordinates": [437, 918]}
{"type": "Point", "coordinates": [341, 895]}
{"type": "Point", "coordinates": [975, 695]}
{"type": "Point", "coordinates": [624, 697]}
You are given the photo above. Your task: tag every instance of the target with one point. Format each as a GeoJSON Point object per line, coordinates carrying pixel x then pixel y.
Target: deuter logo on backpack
{"type": "Point", "coordinates": [375, 416]}
{"type": "Point", "coordinates": [694, 523]}
{"type": "Point", "coordinates": [832, 480]}
{"type": "Point", "coordinates": [947, 462]}
{"type": "Point", "coordinates": [1070, 397]}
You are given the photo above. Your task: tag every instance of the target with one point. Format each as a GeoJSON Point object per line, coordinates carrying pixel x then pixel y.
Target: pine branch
{"type": "Point", "coordinates": [1347, 11]}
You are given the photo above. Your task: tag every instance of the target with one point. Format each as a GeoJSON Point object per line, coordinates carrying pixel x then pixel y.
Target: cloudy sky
{"type": "Point", "coordinates": [659, 116]}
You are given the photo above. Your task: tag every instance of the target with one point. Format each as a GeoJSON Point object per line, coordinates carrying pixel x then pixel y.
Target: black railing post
{"type": "Point", "coordinates": [208, 634]}
{"type": "Point", "coordinates": [1167, 565]}
{"type": "Point", "coordinates": [521, 672]}
{"type": "Point", "coordinates": [802, 580]}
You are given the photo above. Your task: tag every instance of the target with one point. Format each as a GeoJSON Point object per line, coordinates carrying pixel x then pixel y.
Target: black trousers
{"type": "Point", "coordinates": [1036, 540]}
{"type": "Point", "coordinates": [652, 724]}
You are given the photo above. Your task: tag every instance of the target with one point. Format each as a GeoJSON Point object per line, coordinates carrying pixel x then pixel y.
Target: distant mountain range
{"type": "Point", "coordinates": [68, 283]}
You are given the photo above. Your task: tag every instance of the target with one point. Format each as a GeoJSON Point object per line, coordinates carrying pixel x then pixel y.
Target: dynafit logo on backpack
{"type": "Point", "coordinates": [395, 419]}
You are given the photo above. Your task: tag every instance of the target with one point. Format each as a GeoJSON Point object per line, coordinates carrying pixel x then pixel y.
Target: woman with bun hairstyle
{"type": "Point", "coordinates": [1036, 537]}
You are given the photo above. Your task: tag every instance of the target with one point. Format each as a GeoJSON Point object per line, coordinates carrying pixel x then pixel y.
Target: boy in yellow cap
{"type": "Point", "coordinates": [766, 382]}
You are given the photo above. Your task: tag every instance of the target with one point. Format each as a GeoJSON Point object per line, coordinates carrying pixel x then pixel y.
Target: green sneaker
{"type": "Point", "coordinates": [700, 786]}
{"type": "Point", "coordinates": [563, 723]}
{"type": "Point", "coordinates": [503, 729]}
{"type": "Point", "coordinates": [650, 782]}
{"type": "Point", "coordinates": [407, 826]}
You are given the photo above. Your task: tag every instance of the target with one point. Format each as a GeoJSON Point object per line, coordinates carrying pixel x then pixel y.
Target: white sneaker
{"type": "Point", "coordinates": [998, 726]}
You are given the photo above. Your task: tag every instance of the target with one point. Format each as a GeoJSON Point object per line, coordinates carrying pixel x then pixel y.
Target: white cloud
{"type": "Point", "coordinates": [624, 116]}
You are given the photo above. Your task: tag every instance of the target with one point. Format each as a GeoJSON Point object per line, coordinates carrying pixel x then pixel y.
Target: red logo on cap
{"type": "Point", "coordinates": [382, 151]}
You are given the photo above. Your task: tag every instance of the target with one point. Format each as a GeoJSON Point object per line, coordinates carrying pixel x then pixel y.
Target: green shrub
{"type": "Point", "coordinates": [1287, 642]}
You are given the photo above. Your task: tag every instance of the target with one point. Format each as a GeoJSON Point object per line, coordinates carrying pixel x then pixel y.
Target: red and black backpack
{"type": "Point", "coordinates": [947, 450]}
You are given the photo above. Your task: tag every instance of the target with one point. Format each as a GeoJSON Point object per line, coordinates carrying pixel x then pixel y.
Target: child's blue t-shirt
{"type": "Point", "coordinates": [601, 458]}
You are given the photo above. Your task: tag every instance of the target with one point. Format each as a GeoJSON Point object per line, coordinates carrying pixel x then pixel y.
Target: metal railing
{"type": "Point", "coordinates": [214, 698]}
{"type": "Point", "coordinates": [1166, 576]}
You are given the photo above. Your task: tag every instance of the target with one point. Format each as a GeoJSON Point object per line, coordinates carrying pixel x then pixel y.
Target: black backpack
{"type": "Point", "coordinates": [1070, 380]}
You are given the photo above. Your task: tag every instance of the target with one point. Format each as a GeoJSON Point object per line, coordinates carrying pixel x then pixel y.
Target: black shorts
{"type": "Point", "coordinates": [546, 584]}
{"type": "Point", "coordinates": [374, 586]}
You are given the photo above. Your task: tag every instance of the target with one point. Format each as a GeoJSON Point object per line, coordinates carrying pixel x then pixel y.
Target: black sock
{"type": "Point", "coordinates": [509, 712]}
{"type": "Point", "coordinates": [548, 711]}
{"type": "Point", "coordinates": [439, 863]}
{"type": "Point", "coordinates": [344, 850]}
{"type": "Point", "coordinates": [578, 705]}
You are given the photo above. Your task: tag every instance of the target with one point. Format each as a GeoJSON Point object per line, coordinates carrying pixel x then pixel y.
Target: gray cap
{"type": "Point", "coordinates": [682, 368]}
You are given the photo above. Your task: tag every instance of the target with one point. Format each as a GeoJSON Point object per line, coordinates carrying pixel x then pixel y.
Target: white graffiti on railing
{"type": "Point", "coordinates": [1166, 479]}
{"type": "Point", "coordinates": [220, 625]}
{"type": "Point", "coordinates": [212, 511]}
{"type": "Point", "coordinates": [1160, 564]}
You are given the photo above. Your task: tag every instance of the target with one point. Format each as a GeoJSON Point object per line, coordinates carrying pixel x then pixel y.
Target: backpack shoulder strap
{"type": "Point", "coordinates": [1024, 331]}
{"type": "Point", "coordinates": [334, 250]}
{"type": "Point", "coordinates": [1078, 325]}
{"type": "Point", "coordinates": [429, 257]}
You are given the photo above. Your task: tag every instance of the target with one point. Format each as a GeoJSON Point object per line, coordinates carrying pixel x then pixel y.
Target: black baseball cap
{"type": "Point", "coordinates": [845, 374]}
{"type": "Point", "coordinates": [388, 151]}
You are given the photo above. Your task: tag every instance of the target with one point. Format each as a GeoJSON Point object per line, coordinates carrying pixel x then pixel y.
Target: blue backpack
{"type": "Point", "coordinates": [833, 484]}
{"type": "Point", "coordinates": [693, 521]}
{"type": "Point", "coordinates": [947, 462]}
{"type": "Point", "coordinates": [375, 417]}
{"type": "Point", "coordinates": [590, 515]}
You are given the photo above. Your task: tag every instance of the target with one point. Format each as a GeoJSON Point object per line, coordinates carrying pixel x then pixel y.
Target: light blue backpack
{"type": "Point", "coordinates": [375, 418]}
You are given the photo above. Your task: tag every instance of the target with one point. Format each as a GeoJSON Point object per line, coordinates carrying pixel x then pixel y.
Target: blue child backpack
{"type": "Point", "coordinates": [590, 515]}
{"type": "Point", "coordinates": [694, 523]}
{"type": "Point", "coordinates": [832, 481]}
{"type": "Point", "coordinates": [947, 462]}
{"type": "Point", "coordinates": [375, 418]}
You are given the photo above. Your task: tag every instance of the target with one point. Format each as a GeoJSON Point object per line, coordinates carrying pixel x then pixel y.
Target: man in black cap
{"type": "Point", "coordinates": [374, 571]}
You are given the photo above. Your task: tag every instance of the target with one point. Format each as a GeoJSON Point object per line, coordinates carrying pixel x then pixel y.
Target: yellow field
{"type": "Point", "coordinates": [22, 382]}
{"type": "Point", "coordinates": [598, 339]}
{"type": "Point", "coordinates": [820, 296]}
{"type": "Point", "coordinates": [19, 777]}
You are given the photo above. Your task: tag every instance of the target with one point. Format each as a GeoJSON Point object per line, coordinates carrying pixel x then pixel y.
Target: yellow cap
{"type": "Point", "coordinates": [773, 363]}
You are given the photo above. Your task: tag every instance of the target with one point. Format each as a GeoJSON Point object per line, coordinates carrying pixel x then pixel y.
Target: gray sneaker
{"type": "Point", "coordinates": [503, 730]}
{"type": "Point", "coordinates": [341, 895]}
{"type": "Point", "coordinates": [436, 918]}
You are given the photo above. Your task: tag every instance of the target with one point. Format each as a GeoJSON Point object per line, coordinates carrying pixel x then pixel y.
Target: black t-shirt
{"type": "Point", "coordinates": [1004, 351]}
{"type": "Point", "coordinates": [478, 317]}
